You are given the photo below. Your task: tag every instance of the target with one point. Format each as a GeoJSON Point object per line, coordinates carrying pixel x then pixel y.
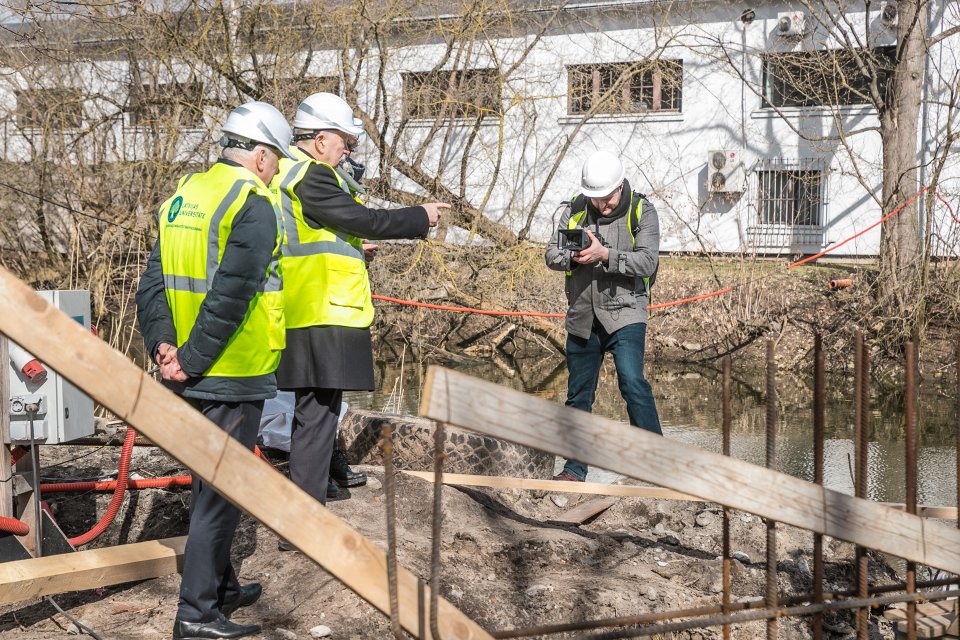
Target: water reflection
{"type": "Point", "coordinates": [689, 403]}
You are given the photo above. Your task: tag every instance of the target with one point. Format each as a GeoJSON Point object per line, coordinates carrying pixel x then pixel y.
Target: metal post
{"type": "Point", "coordinates": [910, 442]}
{"type": "Point", "coordinates": [860, 486]}
{"type": "Point", "coordinates": [771, 463]}
{"type": "Point", "coordinates": [727, 376]}
{"type": "Point", "coordinates": [819, 423]}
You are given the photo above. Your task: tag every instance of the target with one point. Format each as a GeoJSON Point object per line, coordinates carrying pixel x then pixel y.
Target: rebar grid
{"type": "Point", "coordinates": [772, 607]}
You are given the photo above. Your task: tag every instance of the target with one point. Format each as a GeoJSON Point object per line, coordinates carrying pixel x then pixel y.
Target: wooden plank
{"type": "Point", "coordinates": [583, 512]}
{"type": "Point", "coordinates": [6, 487]}
{"type": "Point", "coordinates": [929, 627]}
{"type": "Point", "coordinates": [898, 611]}
{"type": "Point", "coordinates": [556, 486]}
{"type": "Point", "coordinates": [25, 579]}
{"type": "Point", "coordinates": [625, 491]}
{"type": "Point", "coordinates": [487, 408]}
{"type": "Point", "coordinates": [213, 455]}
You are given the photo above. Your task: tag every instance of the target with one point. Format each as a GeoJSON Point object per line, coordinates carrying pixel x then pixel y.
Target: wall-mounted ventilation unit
{"type": "Point", "coordinates": [725, 171]}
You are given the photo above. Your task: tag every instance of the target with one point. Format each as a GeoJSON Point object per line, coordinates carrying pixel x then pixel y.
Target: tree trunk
{"type": "Point", "coordinates": [900, 244]}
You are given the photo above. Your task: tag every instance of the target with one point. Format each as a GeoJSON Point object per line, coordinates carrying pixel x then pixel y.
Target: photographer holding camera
{"type": "Point", "coordinates": [608, 244]}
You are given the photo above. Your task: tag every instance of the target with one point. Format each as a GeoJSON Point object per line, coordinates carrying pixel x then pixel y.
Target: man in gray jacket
{"type": "Point", "coordinates": [607, 287]}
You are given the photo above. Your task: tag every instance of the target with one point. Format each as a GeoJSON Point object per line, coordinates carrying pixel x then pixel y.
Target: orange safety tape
{"type": "Point", "coordinates": [858, 234]}
{"type": "Point", "coordinates": [674, 303]}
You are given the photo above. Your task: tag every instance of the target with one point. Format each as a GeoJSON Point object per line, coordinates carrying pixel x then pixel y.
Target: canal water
{"type": "Point", "coordinates": [689, 402]}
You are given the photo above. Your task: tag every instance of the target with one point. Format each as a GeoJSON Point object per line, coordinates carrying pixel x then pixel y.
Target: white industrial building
{"type": "Point", "coordinates": [735, 157]}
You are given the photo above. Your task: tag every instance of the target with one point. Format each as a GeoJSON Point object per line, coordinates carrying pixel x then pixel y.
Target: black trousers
{"type": "Point", "coordinates": [208, 577]}
{"type": "Point", "coordinates": [313, 438]}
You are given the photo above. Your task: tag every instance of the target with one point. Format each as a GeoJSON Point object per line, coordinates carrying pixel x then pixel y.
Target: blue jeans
{"type": "Point", "coordinates": [584, 359]}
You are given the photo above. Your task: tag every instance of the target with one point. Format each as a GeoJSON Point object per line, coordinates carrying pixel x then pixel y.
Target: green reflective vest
{"type": "Point", "coordinates": [194, 226]}
{"type": "Point", "coordinates": [632, 212]}
{"type": "Point", "coordinates": [324, 271]}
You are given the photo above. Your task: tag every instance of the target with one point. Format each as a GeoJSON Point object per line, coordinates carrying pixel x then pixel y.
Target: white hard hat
{"type": "Point", "coordinates": [327, 111]}
{"type": "Point", "coordinates": [602, 174]}
{"type": "Point", "coordinates": [259, 122]}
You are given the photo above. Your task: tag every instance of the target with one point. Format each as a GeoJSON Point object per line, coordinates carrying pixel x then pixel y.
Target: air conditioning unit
{"type": "Point", "coordinates": [791, 24]}
{"type": "Point", "coordinates": [725, 171]}
{"type": "Point", "coordinates": [888, 13]}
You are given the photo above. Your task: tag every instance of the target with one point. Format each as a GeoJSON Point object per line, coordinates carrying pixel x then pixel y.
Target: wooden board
{"type": "Point", "coordinates": [556, 486]}
{"type": "Point", "coordinates": [583, 512]}
{"type": "Point", "coordinates": [464, 401]}
{"type": "Point", "coordinates": [931, 627]}
{"type": "Point", "coordinates": [898, 611]}
{"type": "Point", "coordinates": [114, 381]}
{"type": "Point", "coordinates": [624, 491]}
{"type": "Point", "coordinates": [25, 579]}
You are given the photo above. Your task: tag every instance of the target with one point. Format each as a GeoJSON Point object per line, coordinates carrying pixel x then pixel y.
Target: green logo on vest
{"type": "Point", "coordinates": [174, 208]}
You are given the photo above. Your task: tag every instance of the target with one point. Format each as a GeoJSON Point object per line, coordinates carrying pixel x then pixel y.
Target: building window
{"type": "Point", "coordinates": [173, 105]}
{"type": "Point", "coordinates": [291, 91]}
{"type": "Point", "coordinates": [790, 197]}
{"type": "Point", "coordinates": [825, 78]}
{"type": "Point", "coordinates": [463, 94]}
{"type": "Point", "coordinates": [53, 108]}
{"type": "Point", "coordinates": [625, 87]}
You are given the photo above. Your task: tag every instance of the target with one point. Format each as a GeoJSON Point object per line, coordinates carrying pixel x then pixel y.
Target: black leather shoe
{"type": "Point", "coordinates": [341, 472]}
{"type": "Point", "coordinates": [249, 593]}
{"type": "Point", "coordinates": [213, 630]}
{"type": "Point", "coordinates": [333, 490]}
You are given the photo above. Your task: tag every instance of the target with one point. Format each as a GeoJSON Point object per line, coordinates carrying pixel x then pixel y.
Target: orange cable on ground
{"type": "Point", "coordinates": [674, 303]}
{"type": "Point", "coordinates": [482, 312]}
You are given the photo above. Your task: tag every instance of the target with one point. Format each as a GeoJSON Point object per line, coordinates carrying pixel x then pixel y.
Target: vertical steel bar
{"type": "Point", "coordinates": [819, 428]}
{"type": "Point", "coordinates": [386, 443]}
{"type": "Point", "coordinates": [771, 463]}
{"type": "Point", "coordinates": [863, 438]}
{"type": "Point", "coordinates": [910, 447]}
{"type": "Point", "coordinates": [727, 379]}
{"type": "Point", "coordinates": [438, 458]}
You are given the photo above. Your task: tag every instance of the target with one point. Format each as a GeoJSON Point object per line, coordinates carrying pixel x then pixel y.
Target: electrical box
{"type": "Point", "coordinates": [725, 171]}
{"type": "Point", "coordinates": [59, 410]}
{"type": "Point", "coordinates": [791, 24]}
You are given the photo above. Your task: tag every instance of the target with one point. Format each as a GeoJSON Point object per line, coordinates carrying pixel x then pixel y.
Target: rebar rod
{"type": "Point", "coordinates": [727, 415]}
{"type": "Point", "coordinates": [389, 476]}
{"type": "Point", "coordinates": [819, 428]}
{"type": "Point", "coordinates": [789, 601]}
{"type": "Point", "coordinates": [910, 454]}
{"type": "Point", "coordinates": [772, 586]}
{"type": "Point", "coordinates": [862, 407]}
{"type": "Point", "coordinates": [438, 458]}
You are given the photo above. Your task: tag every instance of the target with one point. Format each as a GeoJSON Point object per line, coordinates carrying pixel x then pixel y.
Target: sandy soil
{"type": "Point", "coordinates": [504, 562]}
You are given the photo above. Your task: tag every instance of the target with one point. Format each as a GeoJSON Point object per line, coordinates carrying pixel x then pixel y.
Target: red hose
{"type": "Point", "coordinates": [14, 526]}
{"type": "Point", "coordinates": [111, 485]}
{"type": "Point", "coordinates": [118, 494]}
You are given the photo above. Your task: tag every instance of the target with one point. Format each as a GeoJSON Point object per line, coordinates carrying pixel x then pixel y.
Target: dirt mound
{"type": "Point", "coordinates": [506, 562]}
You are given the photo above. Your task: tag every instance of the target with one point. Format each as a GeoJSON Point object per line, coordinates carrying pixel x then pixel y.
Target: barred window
{"type": "Point", "coordinates": [55, 108]}
{"type": "Point", "coordinates": [625, 87]}
{"type": "Point", "coordinates": [825, 78]}
{"type": "Point", "coordinates": [175, 104]}
{"type": "Point", "coordinates": [462, 94]}
{"type": "Point", "coordinates": [790, 197]}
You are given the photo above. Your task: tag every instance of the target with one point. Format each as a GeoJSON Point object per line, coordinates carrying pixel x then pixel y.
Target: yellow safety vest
{"type": "Point", "coordinates": [324, 271]}
{"type": "Point", "coordinates": [194, 226]}
{"type": "Point", "coordinates": [577, 218]}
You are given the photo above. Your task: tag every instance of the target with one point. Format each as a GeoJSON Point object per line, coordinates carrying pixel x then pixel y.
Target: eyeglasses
{"type": "Point", "coordinates": [349, 141]}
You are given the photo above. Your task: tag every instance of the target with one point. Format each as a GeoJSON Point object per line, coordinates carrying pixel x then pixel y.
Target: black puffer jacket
{"type": "Point", "coordinates": [242, 269]}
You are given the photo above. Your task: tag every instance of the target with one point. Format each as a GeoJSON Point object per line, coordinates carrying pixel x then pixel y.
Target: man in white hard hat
{"type": "Point", "coordinates": [210, 306]}
{"type": "Point", "coordinates": [328, 305]}
{"type": "Point", "coordinates": [608, 244]}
